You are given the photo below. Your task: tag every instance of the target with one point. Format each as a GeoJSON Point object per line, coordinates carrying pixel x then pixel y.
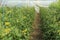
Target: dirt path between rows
{"type": "Point", "coordinates": [37, 33]}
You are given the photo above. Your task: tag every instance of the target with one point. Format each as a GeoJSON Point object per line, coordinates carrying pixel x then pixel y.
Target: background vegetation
{"type": "Point", "coordinates": [51, 22]}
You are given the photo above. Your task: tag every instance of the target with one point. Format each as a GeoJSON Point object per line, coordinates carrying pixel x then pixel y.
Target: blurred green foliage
{"type": "Point", "coordinates": [16, 22]}
{"type": "Point", "coordinates": [51, 21]}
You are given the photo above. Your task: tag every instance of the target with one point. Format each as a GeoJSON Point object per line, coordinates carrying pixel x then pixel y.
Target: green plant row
{"type": "Point", "coordinates": [16, 22]}
{"type": "Point", "coordinates": [51, 21]}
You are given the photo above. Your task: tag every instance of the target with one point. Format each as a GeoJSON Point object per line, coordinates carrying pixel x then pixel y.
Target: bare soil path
{"type": "Point", "coordinates": [37, 33]}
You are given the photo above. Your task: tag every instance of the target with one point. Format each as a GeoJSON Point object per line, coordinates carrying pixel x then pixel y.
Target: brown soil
{"type": "Point", "coordinates": [37, 33]}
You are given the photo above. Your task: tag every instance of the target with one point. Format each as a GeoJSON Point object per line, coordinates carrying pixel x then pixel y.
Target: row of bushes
{"type": "Point", "coordinates": [51, 21]}
{"type": "Point", "coordinates": [16, 22]}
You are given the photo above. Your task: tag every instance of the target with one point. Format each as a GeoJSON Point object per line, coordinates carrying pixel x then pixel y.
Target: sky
{"type": "Point", "coordinates": [24, 2]}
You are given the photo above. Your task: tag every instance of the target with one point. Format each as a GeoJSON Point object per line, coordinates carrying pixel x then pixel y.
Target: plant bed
{"type": "Point", "coordinates": [16, 22]}
{"type": "Point", "coordinates": [51, 22]}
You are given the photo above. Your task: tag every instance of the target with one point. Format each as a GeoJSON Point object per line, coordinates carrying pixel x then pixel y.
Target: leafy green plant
{"type": "Point", "coordinates": [51, 22]}
{"type": "Point", "coordinates": [16, 22]}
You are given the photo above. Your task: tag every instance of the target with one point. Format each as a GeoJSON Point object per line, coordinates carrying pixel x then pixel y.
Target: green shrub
{"type": "Point", "coordinates": [16, 22]}
{"type": "Point", "coordinates": [51, 22]}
